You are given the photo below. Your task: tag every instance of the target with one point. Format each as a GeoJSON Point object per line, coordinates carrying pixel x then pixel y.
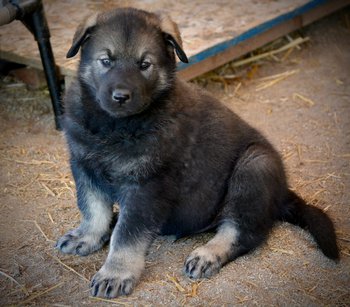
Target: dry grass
{"type": "Point", "coordinates": [111, 301]}
{"type": "Point", "coordinates": [15, 281]}
{"type": "Point", "coordinates": [69, 268]}
{"type": "Point", "coordinates": [49, 180]}
{"type": "Point", "coordinates": [37, 295]}
{"type": "Point", "coordinates": [247, 67]}
{"type": "Point", "coordinates": [269, 81]}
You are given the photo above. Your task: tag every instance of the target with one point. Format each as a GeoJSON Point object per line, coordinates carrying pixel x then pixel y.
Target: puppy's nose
{"type": "Point", "coordinates": [121, 96]}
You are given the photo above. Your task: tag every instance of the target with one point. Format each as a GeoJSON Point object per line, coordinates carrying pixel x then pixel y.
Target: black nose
{"type": "Point", "coordinates": [121, 95]}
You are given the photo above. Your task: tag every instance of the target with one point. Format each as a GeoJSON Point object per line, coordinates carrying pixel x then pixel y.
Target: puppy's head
{"type": "Point", "coordinates": [127, 58]}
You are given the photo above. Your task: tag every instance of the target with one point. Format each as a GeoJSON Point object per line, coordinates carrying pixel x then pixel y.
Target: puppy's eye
{"type": "Point", "coordinates": [144, 65]}
{"type": "Point", "coordinates": [106, 62]}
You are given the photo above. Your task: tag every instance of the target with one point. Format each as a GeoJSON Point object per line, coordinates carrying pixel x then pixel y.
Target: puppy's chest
{"type": "Point", "coordinates": [130, 156]}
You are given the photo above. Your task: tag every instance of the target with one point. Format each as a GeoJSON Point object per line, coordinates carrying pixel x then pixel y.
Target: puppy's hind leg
{"type": "Point", "coordinates": [207, 260]}
{"type": "Point", "coordinates": [94, 229]}
{"type": "Point", "coordinates": [255, 188]}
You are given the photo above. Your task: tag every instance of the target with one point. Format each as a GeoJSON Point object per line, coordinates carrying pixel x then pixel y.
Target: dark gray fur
{"type": "Point", "coordinates": [176, 160]}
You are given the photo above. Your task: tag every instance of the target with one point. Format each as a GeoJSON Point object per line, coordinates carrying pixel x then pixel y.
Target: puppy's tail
{"type": "Point", "coordinates": [297, 212]}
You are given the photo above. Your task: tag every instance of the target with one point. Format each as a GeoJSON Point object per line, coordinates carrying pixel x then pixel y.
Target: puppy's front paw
{"type": "Point", "coordinates": [110, 284]}
{"type": "Point", "coordinates": [202, 263]}
{"type": "Point", "coordinates": [81, 243]}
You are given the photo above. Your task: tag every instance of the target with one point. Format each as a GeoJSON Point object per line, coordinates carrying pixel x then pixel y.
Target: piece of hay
{"type": "Point", "coordinates": [15, 281]}
{"type": "Point", "coordinates": [194, 289]}
{"type": "Point", "coordinates": [283, 251]}
{"type": "Point", "coordinates": [315, 161]}
{"type": "Point", "coordinates": [50, 217]}
{"type": "Point", "coordinates": [238, 86]}
{"type": "Point", "coordinates": [33, 162]}
{"type": "Point", "coordinates": [48, 189]}
{"type": "Point", "coordinates": [255, 58]}
{"type": "Point", "coordinates": [278, 78]}
{"type": "Point", "coordinates": [110, 301]}
{"type": "Point", "coordinates": [42, 232]}
{"type": "Point", "coordinates": [344, 239]}
{"type": "Point", "coordinates": [299, 151]}
{"type": "Point", "coordinates": [346, 156]}
{"type": "Point", "coordinates": [242, 300]}
{"type": "Point", "coordinates": [287, 54]}
{"type": "Point", "coordinates": [176, 283]}
{"type": "Point", "coordinates": [307, 101]}
{"type": "Point", "coordinates": [286, 156]}
{"type": "Point", "coordinates": [33, 297]}
{"type": "Point", "coordinates": [69, 268]}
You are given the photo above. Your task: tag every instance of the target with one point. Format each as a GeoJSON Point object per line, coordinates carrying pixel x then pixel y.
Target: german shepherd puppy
{"type": "Point", "coordinates": [176, 160]}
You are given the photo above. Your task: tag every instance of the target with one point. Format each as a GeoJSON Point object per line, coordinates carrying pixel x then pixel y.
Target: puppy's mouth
{"type": "Point", "coordinates": [119, 110]}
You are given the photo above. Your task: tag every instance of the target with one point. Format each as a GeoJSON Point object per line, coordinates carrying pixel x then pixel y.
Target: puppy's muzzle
{"type": "Point", "coordinates": [121, 95]}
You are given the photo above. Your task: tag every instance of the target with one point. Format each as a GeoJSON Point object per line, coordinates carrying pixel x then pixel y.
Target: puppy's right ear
{"type": "Point", "coordinates": [81, 35]}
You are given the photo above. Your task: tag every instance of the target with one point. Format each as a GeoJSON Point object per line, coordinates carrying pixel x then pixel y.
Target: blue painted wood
{"type": "Point", "coordinates": [250, 33]}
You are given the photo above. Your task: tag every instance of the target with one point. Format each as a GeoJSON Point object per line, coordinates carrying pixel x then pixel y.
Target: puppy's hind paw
{"type": "Point", "coordinates": [202, 263]}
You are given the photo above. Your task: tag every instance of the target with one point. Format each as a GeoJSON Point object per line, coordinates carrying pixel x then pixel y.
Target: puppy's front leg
{"type": "Point", "coordinates": [125, 262]}
{"type": "Point", "coordinates": [96, 210]}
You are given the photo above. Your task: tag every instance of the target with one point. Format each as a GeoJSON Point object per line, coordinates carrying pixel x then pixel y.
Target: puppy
{"type": "Point", "coordinates": [175, 159]}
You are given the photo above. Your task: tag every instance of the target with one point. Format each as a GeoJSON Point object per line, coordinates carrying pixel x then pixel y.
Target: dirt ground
{"type": "Point", "coordinates": [306, 114]}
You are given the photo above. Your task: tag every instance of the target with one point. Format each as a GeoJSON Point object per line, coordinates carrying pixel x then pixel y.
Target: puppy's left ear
{"type": "Point", "coordinates": [172, 36]}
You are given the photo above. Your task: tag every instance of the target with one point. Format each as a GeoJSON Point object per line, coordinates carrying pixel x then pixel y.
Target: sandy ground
{"type": "Point", "coordinates": [306, 115]}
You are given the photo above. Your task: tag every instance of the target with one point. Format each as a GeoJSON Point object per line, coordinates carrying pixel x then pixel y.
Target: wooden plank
{"type": "Point", "coordinates": [284, 25]}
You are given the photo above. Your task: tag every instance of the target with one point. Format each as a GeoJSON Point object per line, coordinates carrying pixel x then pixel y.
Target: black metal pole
{"type": "Point", "coordinates": [37, 23]}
